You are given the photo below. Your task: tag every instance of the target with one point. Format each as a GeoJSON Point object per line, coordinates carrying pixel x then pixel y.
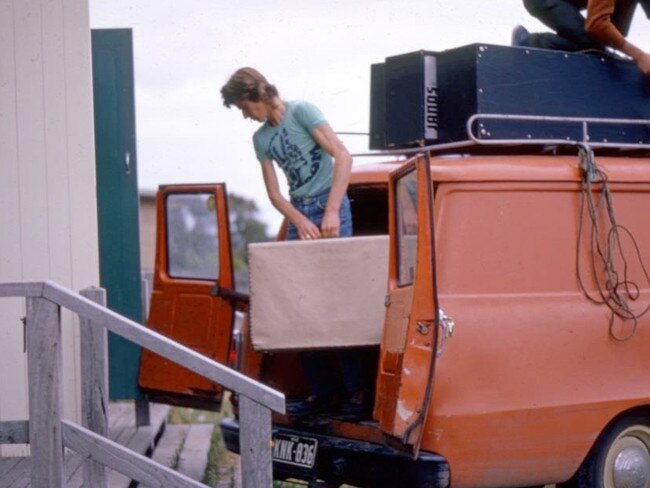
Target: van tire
{"type": "Point", "coordinates": [630, 437]}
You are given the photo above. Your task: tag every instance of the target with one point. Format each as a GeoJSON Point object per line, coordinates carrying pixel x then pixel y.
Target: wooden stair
{"type": "Point", "coordinates": [181, 447]}
{"type": "Point", "coordinates": [185, 448]}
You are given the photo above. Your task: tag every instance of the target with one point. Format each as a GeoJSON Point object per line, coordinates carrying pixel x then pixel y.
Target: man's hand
{"type": "Point", "coordinates": [331, 225]}
{"type": "Point", "coordinates": [306, 228]}
{"type": "Point", "coordinates": [643, 62]}
{"type": "Point", "coordinates": [640, 57]}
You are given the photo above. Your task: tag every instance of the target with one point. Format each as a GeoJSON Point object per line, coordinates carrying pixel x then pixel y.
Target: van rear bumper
{"type": "Point", "coordinates": [359, 463]}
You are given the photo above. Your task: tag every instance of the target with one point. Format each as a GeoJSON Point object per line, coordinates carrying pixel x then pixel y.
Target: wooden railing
{"type": "Point", "coordinates": [48, 432]}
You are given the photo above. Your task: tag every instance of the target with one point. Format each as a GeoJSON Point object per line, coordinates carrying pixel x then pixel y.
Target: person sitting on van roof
{"type": "Point", "coordinates": [606, 25]}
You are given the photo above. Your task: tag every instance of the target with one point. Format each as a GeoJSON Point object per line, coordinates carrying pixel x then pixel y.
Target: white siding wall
{"type": "Point", "coordinates": [48, 217]}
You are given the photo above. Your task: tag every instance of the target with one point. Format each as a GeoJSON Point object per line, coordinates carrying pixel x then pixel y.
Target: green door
{"type": "Point", "coordinates": [117, 197]}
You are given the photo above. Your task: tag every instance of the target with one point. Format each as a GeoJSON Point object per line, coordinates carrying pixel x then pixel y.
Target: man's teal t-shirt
{"type": "Point", "coordinates": [307, 166]}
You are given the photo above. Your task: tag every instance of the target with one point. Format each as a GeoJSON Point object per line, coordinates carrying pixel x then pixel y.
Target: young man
{"type": "Point", "coordinates": [607, 23]}
{"type": "Point", "coordinates": [317, 165]}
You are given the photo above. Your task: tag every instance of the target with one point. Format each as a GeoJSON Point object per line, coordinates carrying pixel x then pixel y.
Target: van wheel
{"type": "Point", "coordinates": [620, 459]}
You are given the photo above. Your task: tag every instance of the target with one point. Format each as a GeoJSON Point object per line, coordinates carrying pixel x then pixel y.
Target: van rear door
{"type": "Point", "coordinates": [405, 377]}
{"type": "Point", "coordinates": [192, 294]}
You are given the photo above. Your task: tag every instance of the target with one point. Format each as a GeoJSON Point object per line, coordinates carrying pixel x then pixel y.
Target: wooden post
{"type": "Point", "coordinates": [94, 384]}
{"type": "Point", "coordinates": [255, 444]}
{"type": "Point", "coordinates": [44, 371]}
{"type": "Point", "coordinates": [142, 410]}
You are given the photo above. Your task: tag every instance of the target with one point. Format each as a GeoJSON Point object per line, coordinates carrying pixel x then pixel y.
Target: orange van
{"type": "Point", "coordinates": [515, 344]}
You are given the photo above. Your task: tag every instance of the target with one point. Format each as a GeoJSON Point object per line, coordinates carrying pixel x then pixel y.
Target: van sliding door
{"type": "Point", "coordinates": [410, 331]}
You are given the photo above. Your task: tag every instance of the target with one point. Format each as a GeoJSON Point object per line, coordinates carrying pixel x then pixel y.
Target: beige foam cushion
{"type": "Point", "coordinates": [318, 294]}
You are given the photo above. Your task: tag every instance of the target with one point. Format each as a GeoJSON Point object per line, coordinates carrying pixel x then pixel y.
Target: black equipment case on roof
{"type": "Point", "coordinates": [424, 97]}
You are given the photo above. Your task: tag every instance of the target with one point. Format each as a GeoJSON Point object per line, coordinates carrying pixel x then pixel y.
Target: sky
{"type": "Point", "coordinates": [315, 50]}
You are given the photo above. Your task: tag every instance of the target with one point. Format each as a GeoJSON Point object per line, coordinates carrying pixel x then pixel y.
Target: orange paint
{"type": "Point", "coordinates": [188, 310]}
{"type": "Point", "coordinates": [532, 375]}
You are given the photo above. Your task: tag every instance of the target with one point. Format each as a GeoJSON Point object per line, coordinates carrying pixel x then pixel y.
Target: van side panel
{"type": "Point", "coordinates": [532, 374]}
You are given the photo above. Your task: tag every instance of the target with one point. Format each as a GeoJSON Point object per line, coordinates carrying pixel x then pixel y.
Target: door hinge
{"type": "Point", "coordinates": [423, 327]}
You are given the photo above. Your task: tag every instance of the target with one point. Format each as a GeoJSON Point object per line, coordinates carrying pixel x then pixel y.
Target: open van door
{"type": "Point", "coordinates": [407, 356]}
{"type": "Point", "coordinates": [192, 299]}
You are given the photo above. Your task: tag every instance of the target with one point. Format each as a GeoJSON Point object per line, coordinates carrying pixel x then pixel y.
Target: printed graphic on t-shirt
{"type": "Point", "coordinates": [298, 167]}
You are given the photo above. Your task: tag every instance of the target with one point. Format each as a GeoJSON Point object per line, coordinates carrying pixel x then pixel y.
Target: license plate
{"type": "Point", "coordinates": [295, 450]}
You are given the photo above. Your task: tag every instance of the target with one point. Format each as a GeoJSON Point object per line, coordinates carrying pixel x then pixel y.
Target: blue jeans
{"type": "Point", "coordinates": [315, 364]}
{"type": "Point", "coordinates": [313, 208]}
{"type": "Point", "coordinates": [566, 20]}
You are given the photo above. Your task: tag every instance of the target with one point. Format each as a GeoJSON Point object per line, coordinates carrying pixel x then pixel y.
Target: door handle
{"type": "Point", "coordinates": [447, 326]}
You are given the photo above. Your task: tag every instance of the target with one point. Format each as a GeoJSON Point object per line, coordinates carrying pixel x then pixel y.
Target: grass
{"type": "Point", "coordinates": [222, 465]}
{"type": "Point", "coordinates": [180, 415]}
{"type": "Point", "coordinates": [220, 471]}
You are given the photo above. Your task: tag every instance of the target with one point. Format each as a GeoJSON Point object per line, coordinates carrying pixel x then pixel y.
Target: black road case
{"type": "Point", "coordinates": [425, 97]}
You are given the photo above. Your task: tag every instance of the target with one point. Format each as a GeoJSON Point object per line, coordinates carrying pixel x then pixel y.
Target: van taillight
{"type": "Point", "coordinates": [234, 354]}
{"type": "Point", "coordinates": [232, 357]}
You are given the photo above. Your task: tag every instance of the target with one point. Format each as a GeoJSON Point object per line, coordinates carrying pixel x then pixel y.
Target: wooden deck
{"type": "Point", "coordinates": [182, 447]}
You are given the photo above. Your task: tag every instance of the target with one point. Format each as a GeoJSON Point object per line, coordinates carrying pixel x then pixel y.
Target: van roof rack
{"type": "Point", "coordinates": [477, 143]}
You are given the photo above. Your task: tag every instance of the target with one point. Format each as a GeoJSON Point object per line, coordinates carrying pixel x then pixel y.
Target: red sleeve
{"type": "Point", "coordinates": [599, 23]}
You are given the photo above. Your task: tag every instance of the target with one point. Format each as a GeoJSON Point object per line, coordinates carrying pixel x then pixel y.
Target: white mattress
{"type": "Point", "coordinates": [318, 294]}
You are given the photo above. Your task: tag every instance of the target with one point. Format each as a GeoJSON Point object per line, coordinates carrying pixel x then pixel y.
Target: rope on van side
{"type": "Point", "coordinates": [618, 290]}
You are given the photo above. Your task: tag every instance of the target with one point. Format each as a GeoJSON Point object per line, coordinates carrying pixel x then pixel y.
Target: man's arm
{"type": "Point", "coordinates": [640, 57]}
{"type": "Point", "coordinates": [600, 26]}
{"type": "Point", "coordinates": [305, 227]}
{"type": "Point", "coordinates": [328, 140]}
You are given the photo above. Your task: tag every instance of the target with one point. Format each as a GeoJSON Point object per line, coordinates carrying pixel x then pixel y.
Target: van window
{"type": "Point", "coordinates": [407, 227]}
{"type": "Point", "coordinates": [192, 236]}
